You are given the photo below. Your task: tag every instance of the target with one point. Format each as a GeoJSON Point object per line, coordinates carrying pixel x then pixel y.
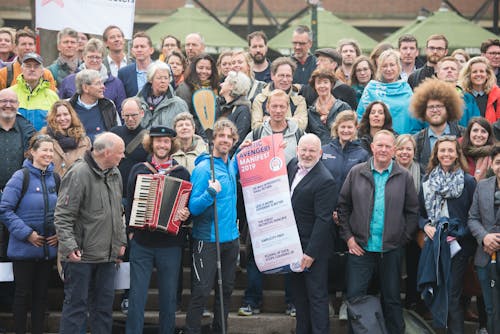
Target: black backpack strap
{"type": "Point", "coordinates": [299, 133]}
{"type": "Point", "coordinates": [10, 74]}
{"type": "Point", "coordinates": [257, 133]}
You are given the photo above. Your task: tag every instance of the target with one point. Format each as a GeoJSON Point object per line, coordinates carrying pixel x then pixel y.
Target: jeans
{"type": "Point", "coordinates": [204, 272]}
{"type": "Point", "coordinates": [484, 276]}
{"type": "Point", "coordinates": [31, 277]}
{"type": "Point", "coordinates": [88, 287]}
{"type": "Point", "coordinates": [360, 270]}
{"type": "Point", "coordinates": [142, 260]}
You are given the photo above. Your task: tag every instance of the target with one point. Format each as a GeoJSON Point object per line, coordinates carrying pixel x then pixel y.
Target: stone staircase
{"type": "Point", "coordinates": [272, 320]}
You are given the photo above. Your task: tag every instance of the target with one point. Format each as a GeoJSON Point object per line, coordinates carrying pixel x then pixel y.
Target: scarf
{"type": "Point", "coordinates": [477, 152]}
{"type": "Point", "coordinates": [66, 142]}
{"type": "Point", "coordinates": [439, 187]}
{"type": "Point", "coordinates": [161, 167]}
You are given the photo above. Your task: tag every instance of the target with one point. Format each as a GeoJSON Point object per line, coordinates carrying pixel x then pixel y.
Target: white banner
{"type": "Point", "coordinates": [271, 222]}
{"type": "Point", "coordinates": [88, 16]}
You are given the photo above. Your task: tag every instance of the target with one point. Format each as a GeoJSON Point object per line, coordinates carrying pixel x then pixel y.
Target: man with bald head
{"type": "Point", "coordinates": [88, 221]}
{"type": "Point", "coordinates": [194, 45]}
{"type": "Point", "coordinates": [314, 197]}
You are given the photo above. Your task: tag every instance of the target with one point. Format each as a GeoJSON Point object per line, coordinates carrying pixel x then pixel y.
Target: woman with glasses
{"type": "Point", "coordinates": [362, 72]}
{"type": "Point", "coordinates": [158, 99]}
{"type": "Point", "coordinates": [68, 132]}
{"type": "Point", "coordinates": [28, 213]}
{"type": "Point", "coordinates": [394, 92]}
{"type": "Point", "coordinates": [481, 93]}
{"type": "Point", "coordinates": [325, 109]}
{"type": "Point", "coordinates": [445, 198]}
{"type": "Point", "coordinates": [375, 118]}
{"type": "Point", "coordinates": [93, 54]}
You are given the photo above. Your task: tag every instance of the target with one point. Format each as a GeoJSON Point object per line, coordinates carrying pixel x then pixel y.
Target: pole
{"type": "Point", "coordinates": [495, 17]}
{"type": "Point", "coordinates": [217, 242]}
{"type": "Point", "coordinates": [314, 26]}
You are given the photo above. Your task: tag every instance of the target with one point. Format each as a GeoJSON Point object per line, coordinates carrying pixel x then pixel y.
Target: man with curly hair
{"type": "Point", "coordinates": [439, 104]}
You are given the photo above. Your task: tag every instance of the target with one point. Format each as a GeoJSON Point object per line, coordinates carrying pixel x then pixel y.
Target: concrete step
{"type": "Point", "coordinates": [264, 323]}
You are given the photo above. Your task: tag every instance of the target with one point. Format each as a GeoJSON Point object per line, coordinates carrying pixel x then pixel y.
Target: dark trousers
{"type": "Point", "coordinates": [310, 294]}
{"type": "Point", "coordinates": [31, 278]}
{"type": "Point", "coordinates": [360, 270]}
{"type": "Point", "coordinates": [485, 276]}
{"type": "Point", "coordinates": [456, 282]}
{"type": "Point", "coordinates": [253, 291]}
{"type": "Point", "coordinates": [88, 287]}
{"type": "Point", "coordinates": [204, 271]}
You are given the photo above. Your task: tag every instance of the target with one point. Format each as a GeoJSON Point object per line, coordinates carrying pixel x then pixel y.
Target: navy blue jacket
{"type": "Point", "coordinates": [339, 160]}
{"type": "Point", "coordinates": [34, 213]}
{"type": "Point", "coordinates": [128, 76]}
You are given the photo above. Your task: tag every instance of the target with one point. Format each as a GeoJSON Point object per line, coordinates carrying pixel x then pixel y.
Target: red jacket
{"type": "Point", "coordinates": [492, 112]}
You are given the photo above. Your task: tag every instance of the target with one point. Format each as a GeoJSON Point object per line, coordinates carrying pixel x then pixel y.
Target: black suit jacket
{"type": "Point", "coordinates": [313, 202]}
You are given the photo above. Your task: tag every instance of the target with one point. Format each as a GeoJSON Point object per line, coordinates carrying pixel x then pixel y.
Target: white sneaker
{"type": "Point", "coordinates": [482, 331]}
{"type": "Point", "coordinates": [343, 311]}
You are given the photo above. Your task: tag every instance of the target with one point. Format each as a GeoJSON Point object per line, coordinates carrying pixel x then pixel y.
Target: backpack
{"type": "Point", "coordinates": [26, 183]}
{"type": "Point", "coordinates": [257, 133]}
{"type": "Point", "coordinates": [365, 313]}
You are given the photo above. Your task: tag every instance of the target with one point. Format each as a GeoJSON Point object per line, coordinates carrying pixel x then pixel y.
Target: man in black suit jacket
{"type": "Point", "coordinates": [314, 197]}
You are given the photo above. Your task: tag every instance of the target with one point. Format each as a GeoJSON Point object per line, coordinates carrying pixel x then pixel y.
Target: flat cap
{"type": "Point", "coordinates": [162, 131]}
{"type": "Point", "coordinates": [330, 53]}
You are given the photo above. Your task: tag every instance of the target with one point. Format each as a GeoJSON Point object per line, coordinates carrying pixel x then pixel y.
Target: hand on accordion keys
{"type": "Point", "coordinates": [183, 214]}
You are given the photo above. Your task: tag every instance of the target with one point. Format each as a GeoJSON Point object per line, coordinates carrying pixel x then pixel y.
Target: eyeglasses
{"type": "Point", "coordinates": [130, 116]}
{"type": "Point", "coordinates": [435, 107]}
{"type": "Point", "coordinates": [435, 49]}
{"type": "Point", "coordinates": [32, 66]}
{"type": "Point", "coordinates": [7, 101]}
{"type": "Point", "coordinates": [94, 58]}
{"type": "Point", "coordinates": [493, 54]}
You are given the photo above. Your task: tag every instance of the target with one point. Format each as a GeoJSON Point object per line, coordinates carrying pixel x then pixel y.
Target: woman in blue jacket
{"type": "Point", "coordinates": [446, 192]}
{"type": "Point", "coordinates": [33, 241]}
{"type": "Point", "coordinates": [342, 153]}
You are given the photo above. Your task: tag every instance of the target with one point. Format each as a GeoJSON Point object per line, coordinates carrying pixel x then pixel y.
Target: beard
{"type": "Point", "coordinates": [258, 58]}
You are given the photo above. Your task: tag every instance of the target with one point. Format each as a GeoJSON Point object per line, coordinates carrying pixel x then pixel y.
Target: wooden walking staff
{"type": "Point", "coordinates": [204, 102]}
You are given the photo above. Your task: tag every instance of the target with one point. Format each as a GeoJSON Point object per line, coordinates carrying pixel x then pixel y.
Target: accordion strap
{"type": "Point", "coordinates": [155, 171]}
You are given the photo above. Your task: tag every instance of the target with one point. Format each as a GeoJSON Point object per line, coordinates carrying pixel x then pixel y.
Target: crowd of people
{"type": "Point", "coordinates": [392, 162]}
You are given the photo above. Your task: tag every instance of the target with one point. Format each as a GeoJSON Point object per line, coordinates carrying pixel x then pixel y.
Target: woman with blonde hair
{"type": "Point", "coordinates": [481, 93]}
{"type": "Point", "coordinates": [394, 92]}
{"type": "Point", "coordinates": [68, 132]}
{"type": "Point", "coordinates": [243, 62]}
{"type": "Point", "coordinates": [224, 64]}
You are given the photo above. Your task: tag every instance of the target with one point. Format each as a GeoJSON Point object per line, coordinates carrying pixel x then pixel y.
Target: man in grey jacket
{"type": "Point", "coordinates": [88, 220]}
{"type": "Point", "coordinates": [483, 224]}
{"type": "Point", "coordinates": [378, 212]}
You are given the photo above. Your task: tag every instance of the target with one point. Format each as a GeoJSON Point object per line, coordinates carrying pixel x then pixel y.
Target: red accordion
{"type": "Point", "coordinates": [157, 201]}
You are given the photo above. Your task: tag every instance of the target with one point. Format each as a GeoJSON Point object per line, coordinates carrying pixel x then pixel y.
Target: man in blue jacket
{"type": "Point", "coordinates": [201, 206]}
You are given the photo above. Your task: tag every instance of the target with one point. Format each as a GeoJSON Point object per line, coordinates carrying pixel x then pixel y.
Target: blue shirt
{"type": "Point", "coordinates": [378, 215]}
{"type": "Point", "coordinates": [434, 137]}
{"type": "Point", "coordinates": [141, 78]}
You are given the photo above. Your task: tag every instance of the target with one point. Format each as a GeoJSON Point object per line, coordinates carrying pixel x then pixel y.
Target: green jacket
{"type": "Point", "coordinates": [88, 214]}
